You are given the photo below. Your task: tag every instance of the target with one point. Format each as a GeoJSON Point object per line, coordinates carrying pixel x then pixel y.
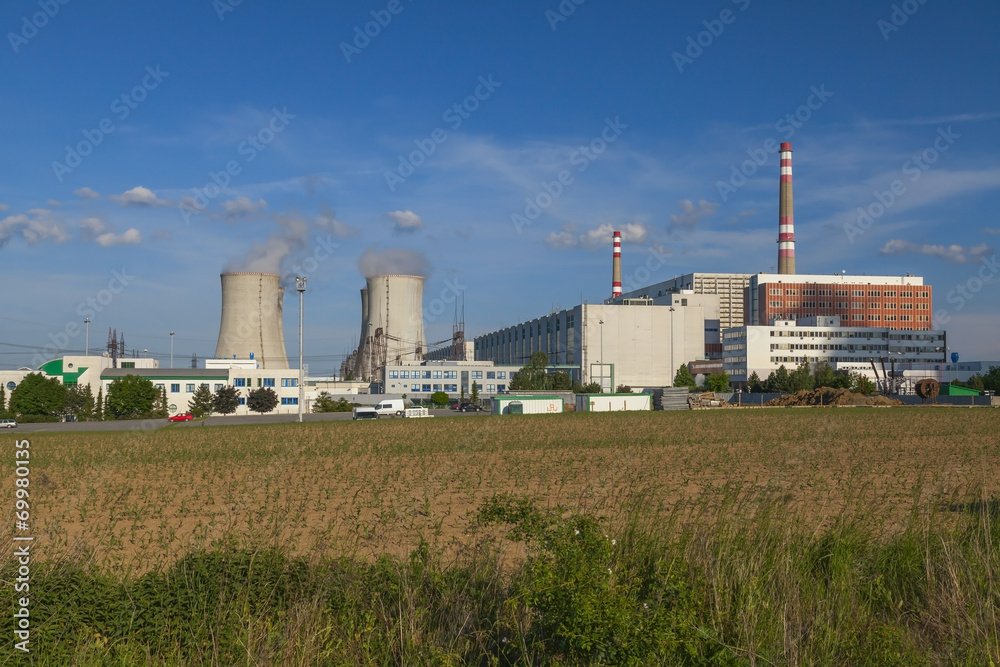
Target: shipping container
{"type": "Point", "coordinates": [612, 402]}
{"type": "Point", "coordinates": [527, 405]}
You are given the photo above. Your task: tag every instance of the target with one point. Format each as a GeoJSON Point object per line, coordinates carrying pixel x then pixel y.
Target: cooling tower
{"type": "Point", "coordinates": [786, 218]}
{"type": "Point", "coordinates": [251, 319]}
{"type": "Point", "coordinates": [395, 306]}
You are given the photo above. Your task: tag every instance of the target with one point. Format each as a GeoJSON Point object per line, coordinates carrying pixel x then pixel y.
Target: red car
{"type": "Point", "coordinates": [181, 417]}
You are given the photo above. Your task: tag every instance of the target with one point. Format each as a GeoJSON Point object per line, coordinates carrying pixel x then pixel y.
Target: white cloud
{"type": "Point", "coordinates": [691, 215]}
{"type": "Point", "coordinates": [128, 237]}
{"type": "Point", "coordinates": [53, 203]}
{"type": "Point", "coordinates": [597, 238]}
{"type": "Point", "coordinates": [241, 207]}
{"type": "Point", "coordinates": [953, 254]}
{"type": "Point", "coordinates": [35, 226]}
{"type": "Point", "coordinates": [992, 231]}
{"type": "Point", "coordinates": [4, 207]}
{"type": "Point", "coordinates": [86, 193]}
{"type": "Point", "coordinates": [405, 221]}
{"type": "Point", "coordinates": [91, 228]}
{"type": "Point", "coordinates": [139, 196]}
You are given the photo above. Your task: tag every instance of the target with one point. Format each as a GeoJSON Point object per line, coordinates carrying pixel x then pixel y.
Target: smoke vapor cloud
{"type": "Point", "coordinates": [399, 261]}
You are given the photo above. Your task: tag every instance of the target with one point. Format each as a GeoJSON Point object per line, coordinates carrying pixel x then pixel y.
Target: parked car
{"type": "Point", "coordinates": [469, 407]}
{"type": "Point", "coordinates": [365, 413]}
{"type": "Point", "coordinates": [390, 407]}
{"type": "Point", "coordinates": [8, 423]}
{"type": "Point", "coordinates": [181, 417]}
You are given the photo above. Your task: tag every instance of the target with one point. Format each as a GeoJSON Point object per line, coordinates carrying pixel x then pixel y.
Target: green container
{"type": "Point", "coordinates": [515, 409]}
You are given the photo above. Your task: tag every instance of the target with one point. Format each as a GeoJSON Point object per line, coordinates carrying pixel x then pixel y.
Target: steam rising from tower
{"type": "Point", "coordinates": [786, 220]}
{"type": "Point", "coordinates": [616, 267]}
{"type": "Point", "coordinates": [251, 319]}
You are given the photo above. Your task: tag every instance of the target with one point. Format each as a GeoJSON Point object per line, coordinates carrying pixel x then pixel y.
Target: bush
{"type": "Point", "coordinates": [439, 399]}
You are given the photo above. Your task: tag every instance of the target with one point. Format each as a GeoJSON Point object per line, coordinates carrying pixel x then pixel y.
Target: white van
{"type": "Point", "coordinates": [390, 407]}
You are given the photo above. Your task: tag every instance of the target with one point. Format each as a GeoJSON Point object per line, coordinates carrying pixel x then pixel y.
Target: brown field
{"type": "Point", "coordinates": [133, 501]}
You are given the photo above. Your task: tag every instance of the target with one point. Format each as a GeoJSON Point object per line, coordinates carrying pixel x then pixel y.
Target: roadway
{"type": "Point", "coordinates": [155, 424]}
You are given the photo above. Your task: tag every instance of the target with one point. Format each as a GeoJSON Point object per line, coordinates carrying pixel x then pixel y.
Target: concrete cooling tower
{"type": "Point", "coordinates": [393, 307]}
{"type": "Point", "coordinates": [251, 319]}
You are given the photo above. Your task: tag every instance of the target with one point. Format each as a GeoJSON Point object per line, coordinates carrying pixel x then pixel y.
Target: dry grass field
{"type": "Point", "coordinates": [132, 501]}
{"type": "Point", "coordinates": [786, 536]}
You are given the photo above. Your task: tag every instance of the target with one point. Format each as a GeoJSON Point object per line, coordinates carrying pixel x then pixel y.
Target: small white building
{"type": "Point", "coordinates": [763, 349]}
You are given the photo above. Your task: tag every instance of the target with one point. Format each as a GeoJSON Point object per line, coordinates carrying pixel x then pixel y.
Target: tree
{"type": "Point", "coordinates": [684, 378]}
{"type": "Point", "coordinates": [3, 401]}
{"type": "Point", "coordinates": [718, 382]}
{"type": "Point", "coordinates": [160, 409]}
{"type": "Point", "coordinates": [754, 385]}
{"type": "Point", "coordinates": [99, 406]}
{"type": "Point", "coordinates": [591, 388]}
{"type": "Point", "coordinates": [801, 378]}
{"type": "Point", "coordinates": [474, 396]}
{"type": "Point", "coordinates": [131, 397]}
{"type": "Point", "coordinates": [779, 381]}
{"type": "Point", "coordinates": [533, 375]}
{"type": "Point", "coordinates": [991, 380]}
{"type": "Point", "coordinates": [262, 400]}
{"type": "Point", "coordinates": [824, 375]}
{"type": "Point", "coordinates": [79, 402]}
{"type": "Point", "coordinates": [976, 382]}
{"type": "Point", "coordinates": [439, 398]}
{"type": "Point", "coordinates": [623, 389]}
{"type": "Point", "coordinates": [38, 396]}
{"type": "Point", "coordinates": [201, 404]}
{"type": "Point", "coordinates": [225, 400]}
{"type": "Point", "coordinates": [561, 380]}
{"type": "Point", "coordinates": [325, 403]}
{"type": "Point", "coordinates": [860, 384]}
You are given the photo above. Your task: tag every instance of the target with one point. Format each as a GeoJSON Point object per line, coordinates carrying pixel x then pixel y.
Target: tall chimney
{"type": "Point", "coordinates": [616, 268]}
{"type": "Point", "coordinates": [786, 220]}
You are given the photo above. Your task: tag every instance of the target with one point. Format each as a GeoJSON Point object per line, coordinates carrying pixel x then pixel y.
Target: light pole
{"type": "Point", "coordinates": [86, 322]}
{"type": "Point", "coordinates": [672, 345]}
{"type": "Point", "coordinates": [300, 285]}
{"type": "Point", "coordinates": [171, 349]}
{"type": "Point", "coordinates": [601, 322]}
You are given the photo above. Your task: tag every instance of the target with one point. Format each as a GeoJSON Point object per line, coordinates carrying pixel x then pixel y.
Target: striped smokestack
{"type": "Point", "coordinates": [786, 220]}
{"type": "Point", "coordinates": [616, 267]}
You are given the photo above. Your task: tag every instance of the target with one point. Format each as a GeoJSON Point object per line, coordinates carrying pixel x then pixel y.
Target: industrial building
{"type": "Point", "coordinates": [789, 343]}
{"type": "Point", "coordinates": [892, 302]}
{"type": "Point", "coordinates": [728, 287]}
{"type": "Point", "coordinates": [421, 379]}
{"type": "Point", "coordinates": [637, 345]}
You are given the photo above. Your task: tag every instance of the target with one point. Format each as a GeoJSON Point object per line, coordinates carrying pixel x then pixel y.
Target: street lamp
{"type": "Point", "coordinates": [86, 321]}
{"type": "Point", "coordinates": [601, 360]}
{"type": "Point", "coordinates": [171, 349]}
{"type": "Point", "coordinates": [145, 353]}
{"type": "Point", "coordinates": [300, 285]}
{"type": "Point", "coordinates": [672, 345]}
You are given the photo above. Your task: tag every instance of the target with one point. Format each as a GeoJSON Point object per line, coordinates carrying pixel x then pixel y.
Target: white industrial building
{"type": "Point", "coordinates": [421, 379]}
{"type": "Point", "coordinates": [612, 344]}
{"type": "Point", "coordinates": [728, 287]}
{"type": "Point", "coordinates": [788, 343]}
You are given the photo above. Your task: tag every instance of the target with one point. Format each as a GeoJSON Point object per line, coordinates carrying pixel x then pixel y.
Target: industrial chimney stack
{"type": "Point", "coordinates": [616, 267]}
{"type": "Point", "coordinates": [786, 219]}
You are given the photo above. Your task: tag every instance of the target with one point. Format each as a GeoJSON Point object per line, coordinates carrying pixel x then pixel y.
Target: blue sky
{"type": "Point", "coordinates": [644, 108]}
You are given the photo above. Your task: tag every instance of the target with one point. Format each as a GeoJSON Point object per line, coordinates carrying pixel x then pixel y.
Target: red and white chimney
{"type": "Point", "coordinates": [616, 267]}
{"type": "Point", "coordinates": [786, 219]}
